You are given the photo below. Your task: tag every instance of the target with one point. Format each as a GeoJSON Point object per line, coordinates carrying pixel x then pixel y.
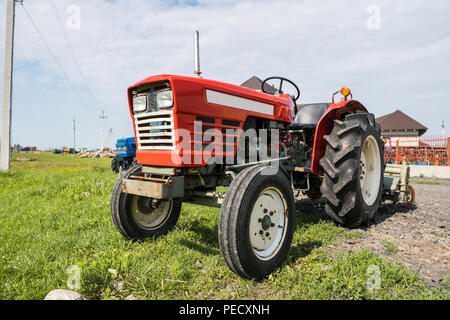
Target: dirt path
{"type": "Point", "coordinates": [419, 238]}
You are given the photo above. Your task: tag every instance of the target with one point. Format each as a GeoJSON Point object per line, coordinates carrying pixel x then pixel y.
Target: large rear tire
{"type": "Point", "coordinates": [354, 168]}
{"type": "Point", "coordinates": [137, 217]}
{"type": "Point", "coordinates": [257, 221]}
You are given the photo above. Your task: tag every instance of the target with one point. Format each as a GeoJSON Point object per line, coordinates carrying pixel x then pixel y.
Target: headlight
{"type": "Point", "coordinates": [139, 103]}
{"type": "Point", "coordinates": [164, 99]}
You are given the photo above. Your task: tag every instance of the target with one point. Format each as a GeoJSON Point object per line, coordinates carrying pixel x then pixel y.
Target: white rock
{"type": "Point", "coordinates": [64, 295]}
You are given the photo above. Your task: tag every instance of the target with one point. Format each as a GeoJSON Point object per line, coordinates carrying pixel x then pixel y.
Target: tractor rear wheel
{"type": "Point", "coordinates": [137, 217]}
{"type": "Point", "coordinates": [257, 221]}
{"type": "Point", "coordinates": [354, 168]}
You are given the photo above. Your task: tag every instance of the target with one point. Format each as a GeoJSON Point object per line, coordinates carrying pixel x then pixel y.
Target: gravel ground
{"type": "Point", "coordinates": [419, 237]}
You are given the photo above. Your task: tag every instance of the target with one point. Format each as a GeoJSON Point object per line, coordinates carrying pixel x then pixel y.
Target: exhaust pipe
{"type": "Point", "coordinates": [197, 71]}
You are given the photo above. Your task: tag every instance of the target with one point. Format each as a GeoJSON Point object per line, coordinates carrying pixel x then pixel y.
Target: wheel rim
{"type": "Point", "coordinates": [370, 170]}
{"type": "Point", "coordinates": [149, 213]}
{"type": "Point", "coordinates": [268, 222]}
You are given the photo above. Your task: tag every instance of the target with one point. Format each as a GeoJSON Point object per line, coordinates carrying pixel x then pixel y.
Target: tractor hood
{"type": "Point", "coordinates": [189, 100]}
{"type": "Point", "coordinates": [189, 92]}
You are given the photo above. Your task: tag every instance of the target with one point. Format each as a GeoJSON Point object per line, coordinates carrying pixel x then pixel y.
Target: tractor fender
{"type": "Point", "coordinates": [325, 125]}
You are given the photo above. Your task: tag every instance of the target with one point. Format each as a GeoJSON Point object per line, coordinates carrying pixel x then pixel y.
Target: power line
{"type": "Point", "coordinates": [53, 56]}
{"type": "Point", "coordinates": [103, 117]}
{"type": "Point", "coordinates": [61, 25]}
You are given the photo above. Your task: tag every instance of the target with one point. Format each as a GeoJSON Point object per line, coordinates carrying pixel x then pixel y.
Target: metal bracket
{"type": "Point", "coordinates": [172, 187]}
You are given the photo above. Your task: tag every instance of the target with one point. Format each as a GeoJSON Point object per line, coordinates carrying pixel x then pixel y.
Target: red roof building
{"type": "Point", "coordinates": [398, 124]}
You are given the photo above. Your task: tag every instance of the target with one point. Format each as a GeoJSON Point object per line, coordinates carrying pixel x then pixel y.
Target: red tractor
{"type": "Point", "coordinates": [194, 135]}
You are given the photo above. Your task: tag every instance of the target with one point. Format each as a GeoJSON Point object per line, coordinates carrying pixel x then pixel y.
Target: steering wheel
{"type": "Point", "coordinates": [295, 98]}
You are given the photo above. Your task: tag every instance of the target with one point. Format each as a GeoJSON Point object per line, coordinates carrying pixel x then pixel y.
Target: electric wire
{"type": "Point", "coordinates": [54, 57]}
{"type": "Point", "coordinates": [56, 60]}
{"type": "Point", "coordinates": [83, 78]}
{"type": "Point", "coordinates": [66, 38]}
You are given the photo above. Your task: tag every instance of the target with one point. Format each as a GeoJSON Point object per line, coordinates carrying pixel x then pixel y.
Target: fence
{"type": "Point", "coordinates": [430, 150]}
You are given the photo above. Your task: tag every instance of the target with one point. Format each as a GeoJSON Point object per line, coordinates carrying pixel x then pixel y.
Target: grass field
{"type": "Point", "coordinates": [424, 182]}
{"type": "Point", "coordinates": [54, 213]}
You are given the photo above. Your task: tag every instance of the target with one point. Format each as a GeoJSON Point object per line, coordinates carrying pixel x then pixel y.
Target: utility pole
{"type": "Point", "coordinates": [110, 139]}
{"type": "Point", "coordinates": [74, 135]}
{"type": "Point", "coordinates": [5, 155]}
{"type": "Point", "coordinates": [103, 117]}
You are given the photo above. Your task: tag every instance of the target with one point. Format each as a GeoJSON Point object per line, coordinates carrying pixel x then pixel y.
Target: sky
{"type": "Point", "coordinates": [392, 54]}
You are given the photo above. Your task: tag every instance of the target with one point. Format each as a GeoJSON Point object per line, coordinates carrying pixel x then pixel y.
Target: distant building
{"type": "Point", "coordinates": [402, 136]}
{"type": "Point", "coordinates": [398, 124]}
{"type": "Point", "coordinates": [255, 83]}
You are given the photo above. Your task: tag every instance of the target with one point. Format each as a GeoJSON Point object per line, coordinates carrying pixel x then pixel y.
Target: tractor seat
{"type": "Point", "coordinates": [308, 116]}
{"type": "Point", "coordinates": [301, 126]}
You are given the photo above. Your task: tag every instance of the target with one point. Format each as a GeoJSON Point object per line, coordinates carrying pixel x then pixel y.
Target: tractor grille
{"type": "Point", "coordinates": [155, 130]}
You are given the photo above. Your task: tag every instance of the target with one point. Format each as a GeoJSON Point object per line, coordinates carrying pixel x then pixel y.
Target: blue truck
{"type": "Point", "coordinates": [126, 154]}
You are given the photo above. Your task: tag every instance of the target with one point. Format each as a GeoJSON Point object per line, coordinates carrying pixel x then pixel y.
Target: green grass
{"type": "Point", "coordinates": [390, 247]}
{"type": "Point", "coordinates": [424, 182]}
{"type": "Point", "coordinates": [54, 213]}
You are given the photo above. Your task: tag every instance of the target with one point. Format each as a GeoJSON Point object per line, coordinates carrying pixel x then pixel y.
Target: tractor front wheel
{"type": "Point", "coordinates": [256, 223]}
{"type": "Point", "coordinates": [137, 217]}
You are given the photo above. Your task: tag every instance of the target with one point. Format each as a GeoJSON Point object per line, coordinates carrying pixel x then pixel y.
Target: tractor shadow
{"type": "Point", "coordinates": [308, 213]}
{"type": "Point", "coordinates": [206, 250]}
{"type": "Point", "coordinates": [207, 243]}
{"type": "Point", "coordinates": [387, 210]}
{"type": "Point", "coordinates": [309, 210]}
{"type": "Point", "coordinates": [314, 211]}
